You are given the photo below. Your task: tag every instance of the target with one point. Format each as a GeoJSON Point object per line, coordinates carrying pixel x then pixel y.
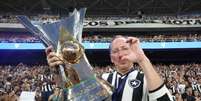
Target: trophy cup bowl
{"type": "Point", "coordinates": [71, 52]}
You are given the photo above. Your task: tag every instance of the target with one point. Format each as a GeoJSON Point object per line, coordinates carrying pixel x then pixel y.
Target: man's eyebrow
{"type": "Point", "coordinates": [114, 49]}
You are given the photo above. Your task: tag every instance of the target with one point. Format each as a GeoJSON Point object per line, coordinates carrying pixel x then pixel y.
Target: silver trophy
{"type": "Point", "coordinates": [79, 81]}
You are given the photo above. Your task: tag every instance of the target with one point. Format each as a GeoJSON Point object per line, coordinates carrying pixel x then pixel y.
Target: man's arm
{"type": "Point", "coordinates": [137, 56]}
{"type": "Point", "coordinates": [157, 91]}
{"type": "Point", "coordinates": [153, 79]}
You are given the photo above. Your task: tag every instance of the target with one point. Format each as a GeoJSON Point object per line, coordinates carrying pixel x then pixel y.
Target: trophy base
{"type": "Point", "coordinates": [88, 90]}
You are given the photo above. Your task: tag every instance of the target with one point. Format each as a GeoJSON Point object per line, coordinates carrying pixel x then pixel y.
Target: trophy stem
{"type": "Point", "coordinates": [65, 80]}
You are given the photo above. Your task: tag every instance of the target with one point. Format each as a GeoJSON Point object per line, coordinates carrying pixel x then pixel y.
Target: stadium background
{"type": "Point", "coordinates": [19, 46]}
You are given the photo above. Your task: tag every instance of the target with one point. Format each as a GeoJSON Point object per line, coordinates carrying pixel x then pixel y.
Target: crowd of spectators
{"type": "Point", "coordinates": [147, 38]}
{"type": "Point", "coordinates": [27, 38]}
{"type": "Point", "coordinates": [146, 17]}
{"type": "Point", "coordinates": [162, 17]}
{"type": "Point", "coordinates": [99, 70]}
{"type": "Point", "coordinates": [9, 18]}
{"type": "Point", "coordinates": [183, 80]}
{"type": "Point", "coordinates": [43, 18]}
{"type": "Point", "coordinates": [18, 38]}
{"type": "Point", "coordinates": [171, 38]}
{"type": "Point", "coordinates": [15, 79]}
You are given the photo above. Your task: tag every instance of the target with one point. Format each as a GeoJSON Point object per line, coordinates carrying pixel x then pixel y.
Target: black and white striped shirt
{"type": "Point", "coordinates": [198, 88]}
{"type": "Point", "coordinates": [133, 87]}
{"type": "Point", "coordinates": [173, 89]}
{"type": "Point", "coordinates": [47, 87]}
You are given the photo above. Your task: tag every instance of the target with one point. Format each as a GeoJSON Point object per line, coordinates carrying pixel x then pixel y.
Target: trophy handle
{"type": "Point", "coordinates": [72, 74]}
{"type": "Point", "coordinates": [66, 81]}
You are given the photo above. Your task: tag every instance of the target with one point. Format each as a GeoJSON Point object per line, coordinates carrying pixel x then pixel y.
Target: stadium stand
{"type": "Point", "coordinates": [145, 38]}
{"type": "Point", "coordinates": [27, 70]}
{"type": "Point", "coordinates": [17, 78]}
{"type": "Point", "coordinates": [7, 37]}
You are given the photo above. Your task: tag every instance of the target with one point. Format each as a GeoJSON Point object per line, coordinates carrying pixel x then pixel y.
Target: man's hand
{"type": "Point", "coordinates": [52, 59]}
{"type": "Point", "coordinates": [137, 54]}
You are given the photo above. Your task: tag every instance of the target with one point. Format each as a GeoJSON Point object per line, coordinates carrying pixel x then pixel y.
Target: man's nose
{"type": "Point", "coordinates": [121, 54]}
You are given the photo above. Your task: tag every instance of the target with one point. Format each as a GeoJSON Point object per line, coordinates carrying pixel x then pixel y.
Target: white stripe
{"type": "Point", "coordinates": [159, 93]}
{"type": "Point", "coordinates": [128, 91]}
{"type": "Point", "coordinates": [41, 77]}
{"type": "Point", "coordinates": [49, 87]}
{"type": "Point", "coordinates": [173, 89]}
{"type": "Point", "coordinates": [42, 88]}
{"type": "Point", "coordinates": [45, 88]}
{"type": "Point", "coordinates": [145, 90]}
{"type": "Point", "coordinates": [105, 76]}
{"type": "Point", "coordinates": [114, 78]}
{"type": "Point", "coordinates": [193, 86]}
{"type": "Point", "coordinates": [51, 77]}
{"type": "Point", "coordinates": [117, 81]}
{"type": "Point", "coordinates": [199, 88]}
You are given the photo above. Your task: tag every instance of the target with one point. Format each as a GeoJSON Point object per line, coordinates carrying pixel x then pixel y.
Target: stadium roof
{"type": "Point", "coordinates": [101, 7]}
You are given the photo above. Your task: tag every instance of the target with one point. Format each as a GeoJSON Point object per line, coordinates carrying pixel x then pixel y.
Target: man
{"type": "Point", "coordinates": [130, 84]}
{"type": "Point", "coordinates": [56, 96]}
{"type": "Point", "coordinates": [199, 85]}
{"type": "Point", "coordinates": [189, 94]}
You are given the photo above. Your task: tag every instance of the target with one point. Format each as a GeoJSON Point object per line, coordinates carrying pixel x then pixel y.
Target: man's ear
{"type": "Point", "coordinates": [111, 59]}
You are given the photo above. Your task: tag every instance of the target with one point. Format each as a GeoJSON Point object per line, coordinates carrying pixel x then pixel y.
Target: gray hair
{"type": "Point", "coordinates": [115, 37]}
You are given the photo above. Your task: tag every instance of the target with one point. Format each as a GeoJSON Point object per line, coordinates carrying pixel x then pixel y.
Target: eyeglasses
{"type": "Point", "coordinates": [121, 49]}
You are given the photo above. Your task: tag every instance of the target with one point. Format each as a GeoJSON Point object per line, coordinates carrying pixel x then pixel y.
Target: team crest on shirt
{"type": "Point", "coordinates": [134, 83]}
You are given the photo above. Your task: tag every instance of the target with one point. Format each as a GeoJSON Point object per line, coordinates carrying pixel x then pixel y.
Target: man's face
{"type": "Point", "coordinates": [189, 91]}
{"type": "Point", "coordinates": [57, 90]}
{"type": "Point", "coordinates": [119, 49]}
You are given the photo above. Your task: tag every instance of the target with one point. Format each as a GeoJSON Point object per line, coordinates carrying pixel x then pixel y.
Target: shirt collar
{"type": "Point", "coordinates": [123, 75]}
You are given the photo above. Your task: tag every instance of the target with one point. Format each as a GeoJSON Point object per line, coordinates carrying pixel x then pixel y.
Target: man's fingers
{"type": "Point", "coordinates": [53, 59]}
{"type": "Point", "coordinates": [55, 64]}
{"type": "Point", "coordinates": [51, 54]}
{"type": "Point", "coordinates": [48, 50]}
{"type": "Point", "coordinates": [132, 40]}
